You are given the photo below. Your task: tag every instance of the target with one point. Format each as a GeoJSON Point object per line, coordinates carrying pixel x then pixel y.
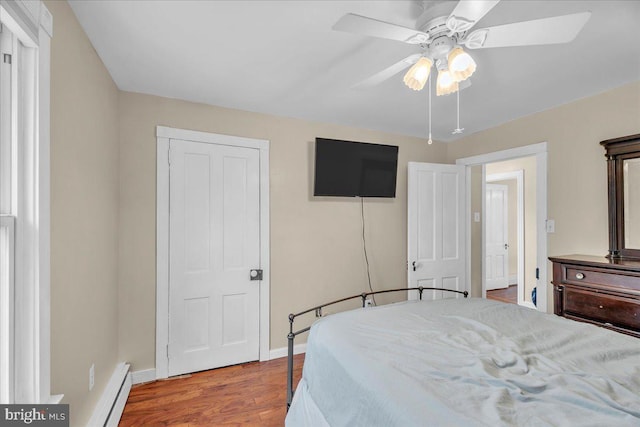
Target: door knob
{"type": "Point", "coordinates": [255, 274]}
{"type": "Point", "coordinates": [506, 246]}
{"type": "Point", "coordinates": [413, 264]}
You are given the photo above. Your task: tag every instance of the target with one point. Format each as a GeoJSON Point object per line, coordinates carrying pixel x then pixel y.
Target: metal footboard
{"type": "Point", "coordinates": [318, 312]}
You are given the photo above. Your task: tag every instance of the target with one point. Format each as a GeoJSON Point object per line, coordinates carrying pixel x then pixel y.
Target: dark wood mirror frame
{"type": "Point", "coordinates": [617, 151]}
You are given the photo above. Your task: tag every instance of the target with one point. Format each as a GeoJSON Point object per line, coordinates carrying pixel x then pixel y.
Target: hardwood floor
{"type": "Point", "coordinates": [252, 394]}
{"type": "Point", "coordinates": [509, 294]}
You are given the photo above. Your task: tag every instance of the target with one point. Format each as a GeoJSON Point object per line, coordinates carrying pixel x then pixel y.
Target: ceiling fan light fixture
{"type": "Point", "coordinates": [446, 83]}
{"type": "Point", "coordinates": [461, 64]}
{"type": "Point", "coordinates": [418, 74]}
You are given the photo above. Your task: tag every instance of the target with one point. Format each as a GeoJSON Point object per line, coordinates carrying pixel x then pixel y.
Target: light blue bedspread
{"type": "Point", "coordinates": [465, 362]}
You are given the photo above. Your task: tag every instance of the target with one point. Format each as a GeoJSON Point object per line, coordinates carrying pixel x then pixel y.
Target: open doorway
{"type": "Point", "coordinates": [510, 241]}
{"type": "Point", "coordinates": [521, 267]}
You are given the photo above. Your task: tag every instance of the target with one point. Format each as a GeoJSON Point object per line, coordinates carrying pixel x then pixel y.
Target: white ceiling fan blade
{"type": "Point", "coordinates": [387, 73]}
{"type": "Point", "coordinates": [467, 13]}
{"type": "Point", "coordinates": [555, 30]}
{"type": "Point", "coordinates": [357, 24]}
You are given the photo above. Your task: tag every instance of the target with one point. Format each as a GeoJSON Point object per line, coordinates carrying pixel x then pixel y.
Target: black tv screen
{"type": "Point", "coordinates": [355, 169]}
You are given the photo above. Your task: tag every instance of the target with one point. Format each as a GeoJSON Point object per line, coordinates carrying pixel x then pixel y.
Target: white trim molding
{"type": "Point", "coordinates": [111, 404]}
{"type": "Point", "coordinates": [7, 248]}
{"type": "Point", "coordinates": [144, 376]}
{"type": "Point", "coordinates": [277, 353]}
{"type": "Point", "coordinates": [164, 135]}
{"type": "Point", "coordinates": [499, 156]}
{"type": "Point", "coordinates": [540, 152]}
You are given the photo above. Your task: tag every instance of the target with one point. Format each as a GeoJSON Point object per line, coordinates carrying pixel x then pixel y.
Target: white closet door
{"type": "Point", "coordinates": [436, 228]}
{"type": "Point", "coordinates": [497, 231]}
{"type": "Point", "coordinates": [214, 243]}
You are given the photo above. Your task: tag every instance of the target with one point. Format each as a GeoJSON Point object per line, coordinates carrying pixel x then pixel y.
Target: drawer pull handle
{"type": "Point", "coordinates": [579, 276]}
{"type": "Point", "coordinates": [601, 307]}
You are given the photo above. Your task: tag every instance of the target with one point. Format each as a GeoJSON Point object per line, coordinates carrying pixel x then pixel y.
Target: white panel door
{"type": "Point", "coordinates": [214, 238]}
{"type": "Point", "coordinates": [497, 236]}
{"type": "Point", "coordinates": [436, 228]}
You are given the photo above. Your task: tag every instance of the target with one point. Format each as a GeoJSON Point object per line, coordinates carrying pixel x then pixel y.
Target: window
{"type": "Point", "coordinates": [7, 216]}
{"type": "Point", "coordinates": [25, 46]}
{"type": "Point", "coordinates": [7, 247]}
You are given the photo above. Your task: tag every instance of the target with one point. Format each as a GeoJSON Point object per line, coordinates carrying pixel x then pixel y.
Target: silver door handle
{"type": "Point", "coordinates": [255, 274]}
{"type": "Point", "coordinates": [506, 246]}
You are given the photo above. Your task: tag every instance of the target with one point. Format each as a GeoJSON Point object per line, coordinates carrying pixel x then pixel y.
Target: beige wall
{"type": "Point", "coordinates": [528, 166]}
{"type": "Point", "coordinates": [577, 179]}
{"type": "Point", "coordinates": [476, 232]}
{"type": "Point", "coordinates": [316, 247]}
{"type": "Point", "coordinates": [84, 216]}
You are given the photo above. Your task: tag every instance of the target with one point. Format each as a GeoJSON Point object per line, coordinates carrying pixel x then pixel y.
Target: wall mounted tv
{"type": "Point", "coordinates": [355, 169]}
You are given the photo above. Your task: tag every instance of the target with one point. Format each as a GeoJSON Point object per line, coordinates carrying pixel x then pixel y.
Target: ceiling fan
{"type": "Point", "coordinates": [442, 38]}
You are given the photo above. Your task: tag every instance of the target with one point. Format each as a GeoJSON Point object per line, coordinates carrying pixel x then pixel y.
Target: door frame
{"type": "Point", "coordinates": [163, 136]}
{"type": "Point", "coordinates": [538, 150]}
{"type": "Point", "coordinates": [518, 176]}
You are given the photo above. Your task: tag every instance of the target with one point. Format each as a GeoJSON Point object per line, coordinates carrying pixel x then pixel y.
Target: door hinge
{"type": "Point", "coordinates": [167, 351]}
{"type": "Point", "coordinates": [537, 273]}
{"type": "Point", "coordinates": [169, 156]}
{"type": "Point", "coordinates": [7, 58]}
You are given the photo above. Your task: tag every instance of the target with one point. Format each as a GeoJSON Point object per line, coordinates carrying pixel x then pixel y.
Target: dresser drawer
{"type": "Point", "coordinates": [577, 275]}
{"type": "Point", "coordinates": [602, 307]}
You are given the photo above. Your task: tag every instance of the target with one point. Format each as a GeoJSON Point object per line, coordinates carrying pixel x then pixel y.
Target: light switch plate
{"type": "Point", "coordinates": [551, 226]}
{"type": "Point", "coordinates": [92, 376]}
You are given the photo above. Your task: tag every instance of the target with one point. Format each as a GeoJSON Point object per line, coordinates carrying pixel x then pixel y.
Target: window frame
{"type": "Point", "coordinates": [7, 286]}
{"type": "Point", "coordinates": [32, 24]}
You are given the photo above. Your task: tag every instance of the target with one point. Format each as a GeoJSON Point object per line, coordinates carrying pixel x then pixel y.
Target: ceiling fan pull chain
{"type": "Point", "coordinates": [458, 109]}
{"type": "Point", "coordinates": [430, 141]}
{"type": "Point", "coordinates": [458, 130]}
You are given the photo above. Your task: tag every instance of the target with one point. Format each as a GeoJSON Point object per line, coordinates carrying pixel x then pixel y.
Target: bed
{"type": "Point", "coordinates": [465, 362]}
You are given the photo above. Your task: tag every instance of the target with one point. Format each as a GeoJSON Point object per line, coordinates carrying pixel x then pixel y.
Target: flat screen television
{"type": "Point", "coordinates": [355, 169]}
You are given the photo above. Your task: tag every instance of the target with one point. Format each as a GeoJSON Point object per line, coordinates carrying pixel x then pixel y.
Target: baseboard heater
{"type": "Point", "coordinates": [111, 405]}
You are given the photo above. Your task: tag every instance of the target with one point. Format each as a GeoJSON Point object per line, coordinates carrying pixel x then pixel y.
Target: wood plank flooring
{"type": "Point", "coordinates": [509, 294]}
{"type": "Point", "coordinates": [251, 394]}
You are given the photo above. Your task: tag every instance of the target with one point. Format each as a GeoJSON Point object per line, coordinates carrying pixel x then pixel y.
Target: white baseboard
{"type": "Point", "coordinates": [118, 406]}
{"type": "Point", "coordinates": [144, 376]}
{"type": "Point", "coordinates": [513, 280]}
{"type": "Point", "coordinates": [111, 404]}
{"type": "Point", "coordinates": [54, 399]}
{"type": "Point", "coordinates": [277, 353]}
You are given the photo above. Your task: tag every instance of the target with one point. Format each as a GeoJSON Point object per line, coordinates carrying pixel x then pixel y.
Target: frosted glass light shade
{"type": "Point", "coordinates": [445, 84]}
{"type": "Point", "coordinates": [461, 64]}
{"type": "Point", "coordinates": [418, 74]}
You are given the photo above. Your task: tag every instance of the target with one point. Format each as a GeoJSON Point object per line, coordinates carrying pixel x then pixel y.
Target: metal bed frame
{"type": "Point", "coordinates": [318, 312]}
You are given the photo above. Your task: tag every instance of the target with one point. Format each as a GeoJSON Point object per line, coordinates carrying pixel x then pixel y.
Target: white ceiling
{"type": "Point", "coordinates": [282, 58]}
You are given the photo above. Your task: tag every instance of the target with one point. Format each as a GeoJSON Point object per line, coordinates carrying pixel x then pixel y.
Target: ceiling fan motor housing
{"type": "Point", "coordinates": [441, 41]}
{"type": "Point", "coordinates": [440, 47]}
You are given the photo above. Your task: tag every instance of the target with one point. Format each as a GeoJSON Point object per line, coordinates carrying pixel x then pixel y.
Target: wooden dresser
{"type": "Point", "coordinates": [598, 290]}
